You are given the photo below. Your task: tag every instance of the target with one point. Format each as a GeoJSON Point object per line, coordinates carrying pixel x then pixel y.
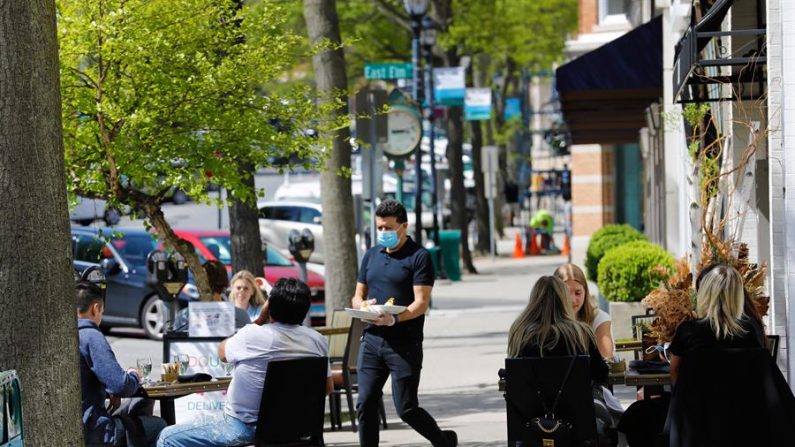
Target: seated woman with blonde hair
{"type": "Point", "coordinates": [246, 294]}
{"type": "Point", "coordinates": [585, 310]}
{"type": "Point", "coordinates": [546, 327]}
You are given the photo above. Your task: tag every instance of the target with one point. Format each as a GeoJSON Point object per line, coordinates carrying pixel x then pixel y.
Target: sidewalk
{"type": "Point", "coordinates": [466, 336]}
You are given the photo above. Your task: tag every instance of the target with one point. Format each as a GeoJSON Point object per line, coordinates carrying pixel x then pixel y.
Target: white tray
{"type": "Point", "coordinates": [390, 309]}
{"type": "Point", "coordinates": [362, 314]}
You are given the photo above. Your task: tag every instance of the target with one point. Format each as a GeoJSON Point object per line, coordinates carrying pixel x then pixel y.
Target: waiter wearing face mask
{"type": "Point", "coordinates": [392, 344]}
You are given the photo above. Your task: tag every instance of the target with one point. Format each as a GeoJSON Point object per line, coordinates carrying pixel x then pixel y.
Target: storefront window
{"type": "Point", "coordinates": [613, 10]}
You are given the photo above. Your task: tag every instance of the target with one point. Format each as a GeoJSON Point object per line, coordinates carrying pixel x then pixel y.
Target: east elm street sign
{"type": "Point", "coordinates": [388, 70]}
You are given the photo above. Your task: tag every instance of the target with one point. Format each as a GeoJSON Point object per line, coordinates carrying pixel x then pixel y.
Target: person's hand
{"type": "Point", "coordinates": [364, 304]}
{"type": "Point", "coordinates": [114, 402]}
{"type": "Point", "coordinates": [264, 314]}
{"type": "Point", "coordinates": [384, 319]}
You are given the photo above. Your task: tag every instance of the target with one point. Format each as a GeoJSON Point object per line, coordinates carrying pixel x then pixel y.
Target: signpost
{"type": "Point", "coordinates": [388, 70]}
{"type": "Point", "coordinates": [371, 127]}
{"type": "Point", "coordinates": [477, 104]}
{"type": "Point", "coordinates": [490, 165]}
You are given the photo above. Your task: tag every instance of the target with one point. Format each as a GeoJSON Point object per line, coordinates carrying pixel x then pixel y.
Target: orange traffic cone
{"type": "Point", "coordinates": [518, 251]}
{"type": "Point", "coordinates": [534, 249]}
{"type": "Point", "coordinates": [566, 245]}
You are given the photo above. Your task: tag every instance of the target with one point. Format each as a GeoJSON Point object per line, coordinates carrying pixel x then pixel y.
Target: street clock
{"type": "Point", "coordinates": [404, 131]}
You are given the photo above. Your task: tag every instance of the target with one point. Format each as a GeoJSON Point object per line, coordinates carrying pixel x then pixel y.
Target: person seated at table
{"type": "Point", "coordinates": [547, 327]}
{"type": "Point", "coordinates": [246, 294]}
{"type": "Point", "coordinates": [101, 377]}
{"type": "Point", "coordinates": [219, 281]}
{"type": "Point", "coordinates": [586, 311]}
{"type": "Point", "coordinates": [250, 351]}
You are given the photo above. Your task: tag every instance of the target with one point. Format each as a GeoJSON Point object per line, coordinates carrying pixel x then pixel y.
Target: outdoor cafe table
{"type": "Point", "coordinates": [167, 392]}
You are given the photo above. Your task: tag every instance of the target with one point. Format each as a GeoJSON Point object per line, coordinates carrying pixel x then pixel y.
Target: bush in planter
{"type": "Point", "coordinates": [630, 271]}
{"type": "Point", "coordinates": [605, 238]}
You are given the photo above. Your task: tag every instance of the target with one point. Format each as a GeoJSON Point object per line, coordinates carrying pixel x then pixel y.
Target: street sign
{"type": "Point", "coordinates": [388, 70]}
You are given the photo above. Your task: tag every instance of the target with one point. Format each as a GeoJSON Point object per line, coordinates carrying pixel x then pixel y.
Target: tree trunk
{"type": "Point", "coordinates": [337, 200]}
{"type": "Point", "coordinates": [38, 331]}
{"type": "Point", "coordinates": [458, 212]}
{"type": "Point", "coordinates": [479, 77]}
{"type": "Point", "coordinates": [247, 252]}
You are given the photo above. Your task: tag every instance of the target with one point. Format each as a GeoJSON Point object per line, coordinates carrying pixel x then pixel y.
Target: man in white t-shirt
{"type": "Point", "coordinates": [250, 351]}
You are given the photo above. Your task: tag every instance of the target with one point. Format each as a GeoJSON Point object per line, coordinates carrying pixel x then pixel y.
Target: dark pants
{"type": "Point", "coordinates": [378, 359]}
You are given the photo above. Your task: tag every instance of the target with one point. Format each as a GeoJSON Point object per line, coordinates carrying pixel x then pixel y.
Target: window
{"type": "Point", "coordinates": [220, 247]}
{"type": "Point", "coordinates": [276, 259]}
{"type": "Point", "coordinates": [613, 10]}
{"type": "Point", "coordinates": [280, 213]}
{"type": "Point", "coordinates": [308, 215]}
{"type": "Point", "coordinates": [90, 249]}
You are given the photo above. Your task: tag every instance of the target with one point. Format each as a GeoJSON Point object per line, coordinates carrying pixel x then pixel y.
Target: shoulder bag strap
{"type": "Point", "coordinates": [551, 411]}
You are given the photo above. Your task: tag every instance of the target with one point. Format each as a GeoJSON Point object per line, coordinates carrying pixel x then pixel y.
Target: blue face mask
{"type": "Point", "coordinates": [388, 239]}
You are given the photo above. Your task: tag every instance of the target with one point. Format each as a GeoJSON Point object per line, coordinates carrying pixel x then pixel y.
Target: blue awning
{"type": "Point", "coordinates": [604, 93]}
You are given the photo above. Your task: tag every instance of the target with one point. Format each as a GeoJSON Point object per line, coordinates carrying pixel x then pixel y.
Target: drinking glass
{"type": "Point", "coordinates": [228, 368]}
{"type": "Point", "coordinates": [184, 363]}
{"type": "Point", "coordinates": [145, 366]}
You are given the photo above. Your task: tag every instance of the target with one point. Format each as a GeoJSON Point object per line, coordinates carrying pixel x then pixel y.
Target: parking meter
{"type": "Point", "coordinates": [301, 246]}
{"type": "Point", "coordinates": [167, 275]}
{"type": "Point", "coordinates": [96, 275]}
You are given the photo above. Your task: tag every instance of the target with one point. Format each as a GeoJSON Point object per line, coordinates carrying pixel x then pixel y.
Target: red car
{"type": "Point", "coordinates": [217, 244]}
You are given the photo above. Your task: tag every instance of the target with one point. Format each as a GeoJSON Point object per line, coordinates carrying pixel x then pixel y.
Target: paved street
{"type": "Point", "coordinates": [465, 343]}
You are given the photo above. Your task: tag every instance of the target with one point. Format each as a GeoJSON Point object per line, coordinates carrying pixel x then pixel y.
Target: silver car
{"type": "Point", "coordinates": [277, 218]}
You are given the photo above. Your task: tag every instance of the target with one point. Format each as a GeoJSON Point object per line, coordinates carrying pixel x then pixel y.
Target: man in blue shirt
{"type": "Point", "coordinates": [392, 344]}
{"type": "Point", "coordinates": [101, 377]}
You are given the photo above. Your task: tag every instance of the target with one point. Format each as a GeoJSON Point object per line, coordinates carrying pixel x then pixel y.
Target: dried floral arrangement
{"type": "Point", "coordinates": [674, 302]}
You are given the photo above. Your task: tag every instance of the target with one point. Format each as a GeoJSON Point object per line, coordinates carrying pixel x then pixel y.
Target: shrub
{"type": "Point", "coordinates": [607, 237]}
{"type": "Point", "coordinates": [630, 271]}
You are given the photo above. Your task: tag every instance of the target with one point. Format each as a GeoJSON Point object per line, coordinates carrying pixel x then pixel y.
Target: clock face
{"type": "Point", "coordinates": [404, 131]}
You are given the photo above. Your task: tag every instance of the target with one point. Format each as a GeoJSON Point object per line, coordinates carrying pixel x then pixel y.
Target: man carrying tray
{"type": "Point", "coordinates": [392, 344]}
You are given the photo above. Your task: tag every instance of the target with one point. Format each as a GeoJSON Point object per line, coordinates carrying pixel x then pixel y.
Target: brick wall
{"type": "Point", "coordinates": [588, 15]}
{"type": "Point", "coordinates": [592, 188]}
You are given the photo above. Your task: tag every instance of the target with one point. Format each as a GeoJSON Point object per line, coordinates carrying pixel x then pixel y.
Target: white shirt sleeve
{"type": "Point", "coordinates": [601, 317]}
{"type": "Point", "coordinates": [235, 347]}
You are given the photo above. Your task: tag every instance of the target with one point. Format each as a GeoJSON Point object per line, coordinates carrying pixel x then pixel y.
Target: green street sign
{"type": "Point", "coordinates": [388, 70]}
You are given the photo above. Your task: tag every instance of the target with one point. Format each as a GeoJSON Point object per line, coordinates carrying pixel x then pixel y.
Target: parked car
{"type": "Point", "coordinates": [217, 245]}
{"type": "Point", "coordinates": [122, 253]}
{"type": "Point", "coordinates": [277, 218]}
{"type": "Point", "coordinates": [88, 211]}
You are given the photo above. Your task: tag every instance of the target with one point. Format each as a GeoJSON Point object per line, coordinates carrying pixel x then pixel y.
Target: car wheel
{"type": "Point", "coordinates": [112, 217]}
{"type": "Point", "coordinates": [153, 317]}
{"type": "Point", "coordinates": [180, 197]}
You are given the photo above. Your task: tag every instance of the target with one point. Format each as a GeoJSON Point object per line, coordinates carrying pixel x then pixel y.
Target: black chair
{"type": "Point", "coordinates": [732, 397]}
{"type": "Point", "coordinates": [293, 403]}
{"type": "Point", "coordinates": [524, 376]}
{"type": "Point", "coordinates": [344, 375]}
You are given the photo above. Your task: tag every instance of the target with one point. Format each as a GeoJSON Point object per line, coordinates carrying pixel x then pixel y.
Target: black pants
{"type": "Point", "coordinates": [378, 359]}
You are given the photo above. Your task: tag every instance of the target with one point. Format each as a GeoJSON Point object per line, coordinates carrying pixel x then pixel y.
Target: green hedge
{"type": "Point", "coordinates": [605, 238]}
{"type": "Point", "coordinates": [627, 272]}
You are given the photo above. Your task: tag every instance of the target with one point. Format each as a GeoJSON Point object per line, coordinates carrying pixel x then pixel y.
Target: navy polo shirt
{"type": "Point", "coordinates": [394, 275]}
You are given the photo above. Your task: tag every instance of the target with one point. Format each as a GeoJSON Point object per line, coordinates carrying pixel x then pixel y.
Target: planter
{"type": "Point", "coordinates": [621, 313]}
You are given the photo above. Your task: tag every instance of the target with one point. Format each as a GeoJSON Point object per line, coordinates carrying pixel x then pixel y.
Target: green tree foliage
{"type": "Point", "coordinates": [163, 94]}
{"type": "Point", "coordinates": [604, 239]}
{"type": "Point", "coordinates": [630, 271]}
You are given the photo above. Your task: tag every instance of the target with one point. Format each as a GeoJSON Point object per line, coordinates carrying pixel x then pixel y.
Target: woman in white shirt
{"type": "Point", "coordinates": [586, 310]}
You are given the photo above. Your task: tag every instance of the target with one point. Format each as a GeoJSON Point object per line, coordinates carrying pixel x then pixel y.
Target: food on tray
{"type": "Point", "coordinates": [390, 301]}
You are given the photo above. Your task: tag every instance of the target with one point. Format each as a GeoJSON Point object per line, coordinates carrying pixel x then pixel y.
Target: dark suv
{"type": "Point", "coordinates": [122, 253]}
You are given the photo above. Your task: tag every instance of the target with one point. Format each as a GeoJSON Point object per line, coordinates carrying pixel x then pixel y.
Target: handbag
{"type": "Point", "coordinates": [549, 430]}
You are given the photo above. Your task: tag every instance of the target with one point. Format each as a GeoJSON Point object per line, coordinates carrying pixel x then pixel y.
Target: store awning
{"type": "Point", "coordinates": [604, 93]}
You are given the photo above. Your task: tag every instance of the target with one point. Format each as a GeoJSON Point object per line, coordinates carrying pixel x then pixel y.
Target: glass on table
{"type": "Point", "coordinates": [228, 368]}
{"type": "Point", "coordinates": [144, 365]}
{"type": "Point", "coordinates": [184, 363]}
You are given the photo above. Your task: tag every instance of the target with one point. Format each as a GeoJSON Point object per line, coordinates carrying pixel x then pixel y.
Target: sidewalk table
{"type": "Point", "coordinates": [326, 330]}
{"type": "Point", "coordinates": [634, 378]}
{"type": "Point", "coordinates": [167, 392]}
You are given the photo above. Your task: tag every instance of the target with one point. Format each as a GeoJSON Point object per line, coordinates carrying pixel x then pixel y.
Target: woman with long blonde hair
{"type": "Point", "coordinates": [546, 327]}
{"type": "Point", "coordinates": [721, 322]}
{"type": "Point", "coordinates": [586, 310]}
{"type": "Point", "coordinates": [246, 294]}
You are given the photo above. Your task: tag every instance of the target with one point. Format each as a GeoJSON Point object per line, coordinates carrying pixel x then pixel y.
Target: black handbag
{"type": "Point", "coordinates": [549, 431]}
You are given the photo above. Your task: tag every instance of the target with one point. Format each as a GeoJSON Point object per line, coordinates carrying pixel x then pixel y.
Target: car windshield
{"type": "Point", "coordinates": [276, 259]}
{"type": "Point", "coordinates": [221, 248]}
{"type": "Point", "coordinates": [134, 248]}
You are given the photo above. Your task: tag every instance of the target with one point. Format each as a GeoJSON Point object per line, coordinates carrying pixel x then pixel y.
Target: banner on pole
{"type": "Point", "coordinates": [449, 86]}
{"type": "Point", "coordinates": [477, 104]}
